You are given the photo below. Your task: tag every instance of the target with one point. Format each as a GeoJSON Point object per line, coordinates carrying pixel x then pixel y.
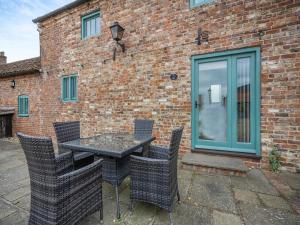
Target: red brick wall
{"type": "Point", "coordinates": [29, 85]}
{"type": "Point", "coordinates": [159, 39]}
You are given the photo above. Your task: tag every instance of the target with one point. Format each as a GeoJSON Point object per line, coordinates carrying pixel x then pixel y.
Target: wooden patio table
{"type": "Point", "coordinates": [115, 148]}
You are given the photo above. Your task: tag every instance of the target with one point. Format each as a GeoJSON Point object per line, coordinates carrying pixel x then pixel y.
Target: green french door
{"type": "Point", "coordinates": [225, 95]}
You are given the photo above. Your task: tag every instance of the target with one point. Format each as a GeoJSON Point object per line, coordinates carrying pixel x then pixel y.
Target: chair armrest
{"type": "Point", "coordinates": [82, 177]}
{"type": "Point", "coordinates": [64, 163]}
{"type": "Point", "coordinates": [158, 152]}
{"type": "Point", "coordinates": [61, 149]}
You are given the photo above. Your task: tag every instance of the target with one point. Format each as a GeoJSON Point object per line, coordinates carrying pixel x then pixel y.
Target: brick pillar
{"type": "Point", "coordinates": [2, 58]}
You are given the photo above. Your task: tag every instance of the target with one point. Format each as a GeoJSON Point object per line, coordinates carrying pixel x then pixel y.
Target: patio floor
{"type": "Point", "coordinates": [206, 199]}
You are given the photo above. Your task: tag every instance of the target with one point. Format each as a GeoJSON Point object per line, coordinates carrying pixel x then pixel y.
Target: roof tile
{"type": "Point", "coordinates": [22, 67]}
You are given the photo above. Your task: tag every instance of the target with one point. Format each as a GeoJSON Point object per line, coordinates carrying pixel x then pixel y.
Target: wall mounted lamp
{"type": "Point", "coordinates": [117, 32]}
{"type": "Point", "coordinates": [202, 36]}
{"type": "Point", "coordinates": [12, 83]}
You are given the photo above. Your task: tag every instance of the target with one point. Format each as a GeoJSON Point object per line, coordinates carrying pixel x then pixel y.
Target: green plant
{"type": "Point", "coordinates": [274, 159]}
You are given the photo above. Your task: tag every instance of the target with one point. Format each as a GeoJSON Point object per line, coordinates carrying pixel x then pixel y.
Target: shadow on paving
{"type": "Point", "coordinates": [205, 199]}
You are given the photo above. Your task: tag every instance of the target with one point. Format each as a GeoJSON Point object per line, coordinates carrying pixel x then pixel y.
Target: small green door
{"type": "Point", "coordinates": [225, 95]}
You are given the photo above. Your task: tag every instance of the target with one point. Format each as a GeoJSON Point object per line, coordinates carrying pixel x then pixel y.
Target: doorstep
{"type": "Point", "coordinates": [214, 164]}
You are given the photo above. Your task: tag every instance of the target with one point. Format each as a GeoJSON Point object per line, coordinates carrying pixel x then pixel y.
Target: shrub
{"type": "Point", "coordinates": [274, 159]}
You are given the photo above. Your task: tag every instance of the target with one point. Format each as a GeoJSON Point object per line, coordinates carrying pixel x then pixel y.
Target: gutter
{"type": "Point", "coordinates": [59, 10]}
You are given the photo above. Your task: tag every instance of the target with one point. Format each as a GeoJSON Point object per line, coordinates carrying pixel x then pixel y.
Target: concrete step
{"type": "Point", "coordinates": [214, 164]}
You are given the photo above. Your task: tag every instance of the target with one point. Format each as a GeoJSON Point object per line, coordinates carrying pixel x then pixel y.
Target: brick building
{"type": "Point", "coordinates": [237, 87]}
{"type": "Point", "coordinates": [20, 81]}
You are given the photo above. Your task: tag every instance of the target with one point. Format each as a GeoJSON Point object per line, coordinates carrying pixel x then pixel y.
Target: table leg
{"type": "Point", "coordinates": [118, 203]}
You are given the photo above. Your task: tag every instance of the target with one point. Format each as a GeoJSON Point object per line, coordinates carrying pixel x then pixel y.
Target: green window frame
{"type": "Point", "coordinates": [232, 55]}
{"type": "Point", "coordinates": [23, 106]}
{"type": "Point", "coordinates": [196, 3]}
{"type": "Point", "coordinates": [90, 25]}
{"type": "Point", "coordinates": [69, 88]}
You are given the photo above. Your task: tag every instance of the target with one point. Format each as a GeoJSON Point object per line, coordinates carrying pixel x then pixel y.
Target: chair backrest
{"type": "Point", "coordinates": [175, 141]}
{"type": "Point", "coordinates": [67, 131]}
{"type": "Point", "coordinates": [143, 128]}
{"type": "Point", "coordinates": [40, 157]}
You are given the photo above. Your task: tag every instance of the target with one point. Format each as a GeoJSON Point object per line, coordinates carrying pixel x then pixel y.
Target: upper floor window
{"type": "Point", "coordinates": [90, 25]}
{"type": "Point", "coordinates": [194, 3]}
{"type": "Point", "coordinates": [69, 88]}
{"type": "Point", "coordinates": [23, 105]}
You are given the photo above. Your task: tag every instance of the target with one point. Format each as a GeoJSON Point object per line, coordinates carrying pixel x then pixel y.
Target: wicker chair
{"type": "Point", "coordinates": [68, 131]}
{"type": "Point", "coordinates": [142, 128]}
{"type": "Point", "coordinates": [60, 195]}
{"type": "Point", "coordinates": [154, 179]}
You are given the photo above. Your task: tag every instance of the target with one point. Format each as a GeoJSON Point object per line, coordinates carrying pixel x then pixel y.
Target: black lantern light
{"type": "Point", "coordinates": [12, 83]}
{"type": "Point", "coordinates": [117, 32]}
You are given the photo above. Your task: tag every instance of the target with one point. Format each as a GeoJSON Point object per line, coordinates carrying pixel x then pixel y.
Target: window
{"type": "Point", "coordinates": [195, 3]}
{"type": "Point", "coordinates": [23, 105]}
{"type": "Point", "coordinates": [69, 88]}
{"type": "Point", "coordinates": [91, 25]}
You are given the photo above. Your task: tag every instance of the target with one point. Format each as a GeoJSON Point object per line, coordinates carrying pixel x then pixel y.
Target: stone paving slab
{"type": "Point", "coordinates": [293, 180]}
{"type": "Point", "coordinates": [23, 202]}
{"type": "Point", "coordinates": [17, 218]}
{"type": "Point", "coordinates": [16, 194]}
{"type": "Point", "coordinates": [9, 164]}
{"type": "Point", "coordinates": [220, 218]}
{"type": "Point", "coordinates": [14, 174]}
{"type": "Point", "coordinates": [184, 183]}
{"type": "Point", "coordinates": [211, 179]}
{"type": "Point", "coordinates": [6, 209]}
{"type": "Point", "coordinates": [185, 214]}
{"type": "Point", "coordinates": [5, 156]}
{"type": "Point", "coordinates": [246, 196]}
{"type": "Point", "coordinates": [142, 213]}
{"type": "Point", "coordinates": [281, 181]}
{"type": "Point", "coordinates": [213, 192]}
{"type": "Point", "coordinates": [256, 215]}
{"type": "Point", "coordinates": [275, 202]}
{"type": "Point", "coordinates": [5, 145]}
{"type": "Point", "coordinates": [255, 181]}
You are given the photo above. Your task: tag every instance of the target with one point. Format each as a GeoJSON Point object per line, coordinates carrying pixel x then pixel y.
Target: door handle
{"type": "Point", "coordinates": [196, 104]}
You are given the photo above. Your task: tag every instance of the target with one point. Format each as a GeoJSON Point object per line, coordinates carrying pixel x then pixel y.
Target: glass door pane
{"type": "Point", "coordinates": [243, 113]}
{"type": "Point", "coordinates": [243, 90]}
{"type": "Point", "coordinates": [212, 101]}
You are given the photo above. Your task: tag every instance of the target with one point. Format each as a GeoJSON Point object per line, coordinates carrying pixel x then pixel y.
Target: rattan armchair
{"type": "Point", "coordinates": [68, 131]}
{"type": "Point", "coordinates": [154, 179]}
{"type": "Point", "coordinates": [142, 128]}
{"type": "Point", "coordinates": [59, 194]}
